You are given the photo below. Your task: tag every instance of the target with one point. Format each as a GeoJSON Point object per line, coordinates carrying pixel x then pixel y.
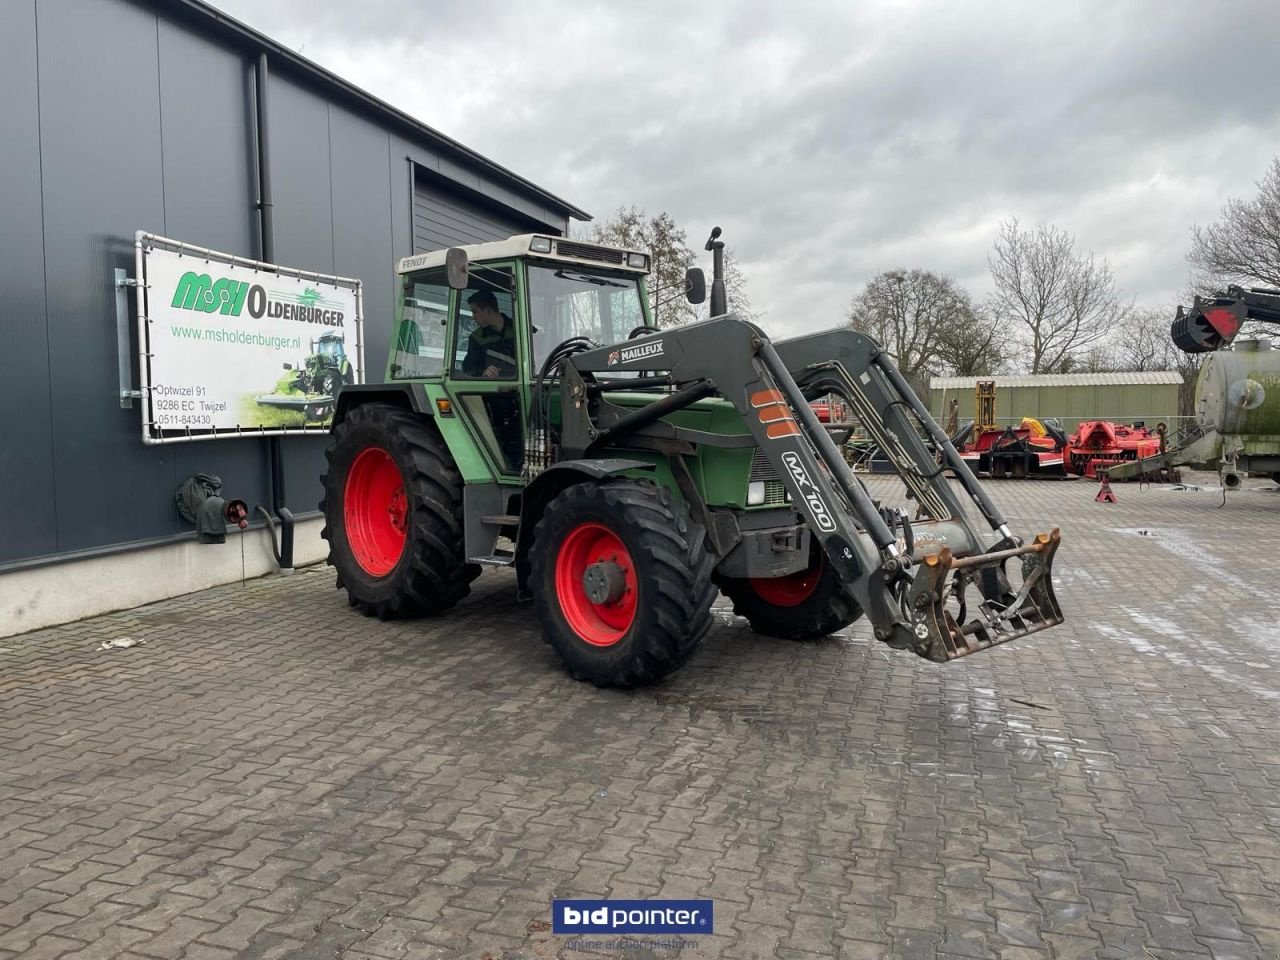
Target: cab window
{"type": "Point", "coordinates": [567, 301]}
{"type": "Point", "coordinates": [420, 334]}
{"type": "Point", "coordinates": [486, 340]}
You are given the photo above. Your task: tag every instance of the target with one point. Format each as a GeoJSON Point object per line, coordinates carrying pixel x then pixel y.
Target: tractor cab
{"type": "Point", "coordinates": [330, 346]}
{"type": "Point", "coordinates": [549, 289]}
{"type": "Point", "coordinates": [481, 339]}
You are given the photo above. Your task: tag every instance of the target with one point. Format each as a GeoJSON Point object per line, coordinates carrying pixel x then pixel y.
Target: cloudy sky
{"type": "Point", "coordinates": [836, 140]}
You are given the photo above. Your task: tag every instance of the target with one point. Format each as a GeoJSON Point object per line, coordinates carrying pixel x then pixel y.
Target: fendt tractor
{"type": "Point", "coordinates": [534, 417]}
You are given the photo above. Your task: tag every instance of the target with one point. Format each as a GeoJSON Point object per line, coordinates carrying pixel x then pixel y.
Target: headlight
{"type": "Point", "coordinates": [755, 493]}
{"type": "Point", "coordinates": [540, 245]}
{"type": "Point", "coordinates": [638, 260]}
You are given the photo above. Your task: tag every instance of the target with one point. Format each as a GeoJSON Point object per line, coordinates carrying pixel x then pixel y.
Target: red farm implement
{"type": "Point", "coordinates": [1099, 444]}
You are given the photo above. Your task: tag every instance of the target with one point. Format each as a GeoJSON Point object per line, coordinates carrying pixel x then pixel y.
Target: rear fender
{"type": "Point", "coordinates": [407, 396]}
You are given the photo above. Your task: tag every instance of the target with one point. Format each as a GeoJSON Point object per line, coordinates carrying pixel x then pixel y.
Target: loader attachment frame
{"type": "Point", "coordinates": [912, 575]}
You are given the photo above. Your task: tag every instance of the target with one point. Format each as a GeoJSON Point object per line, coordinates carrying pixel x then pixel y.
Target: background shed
{"type": "Point", "coordinates": [1146, 396]}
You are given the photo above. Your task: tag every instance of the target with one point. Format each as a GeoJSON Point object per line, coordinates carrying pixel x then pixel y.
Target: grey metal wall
{"type": "Point", "coordinates": [26, 441]}
{"type": "Point", "coordinates": [444, 218]}
{"type": "Point", "coordinates": [118, 119]}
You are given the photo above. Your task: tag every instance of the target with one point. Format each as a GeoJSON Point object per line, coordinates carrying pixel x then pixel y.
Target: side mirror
{"type": "Point", "coordinates": [288, 366]}
{"type": "Point", "coordinates": [455, 265]}
{"type": "Point", "coordinates": [695, 285]}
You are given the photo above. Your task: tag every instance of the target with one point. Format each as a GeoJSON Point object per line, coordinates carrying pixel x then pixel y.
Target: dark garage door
{"type": "Point", "coordinates": [443, 218]}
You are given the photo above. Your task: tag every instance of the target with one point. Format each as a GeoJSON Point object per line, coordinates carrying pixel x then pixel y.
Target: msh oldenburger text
{"type": "Point", "coordinates": [199, 291]}
{"type": "Point", "coordinates": [631, 916]}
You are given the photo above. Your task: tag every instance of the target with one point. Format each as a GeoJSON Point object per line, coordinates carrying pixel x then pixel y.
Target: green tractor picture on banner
{"type": "Point", "coordinates": [309, 388]}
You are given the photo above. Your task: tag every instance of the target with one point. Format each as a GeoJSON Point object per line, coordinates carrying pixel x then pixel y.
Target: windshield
{"type": "Point", "coordinates": [330, 348]}
{"type": "Point", "coordinates": [569, 302]}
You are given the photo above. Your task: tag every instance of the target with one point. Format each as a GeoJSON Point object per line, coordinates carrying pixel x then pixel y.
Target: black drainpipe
{"type": "Point", "coordinates": [267, 253]}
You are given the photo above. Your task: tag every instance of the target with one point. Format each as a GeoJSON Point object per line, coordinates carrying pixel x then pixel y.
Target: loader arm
{"type": "Point", "coordinates": [911, 576]}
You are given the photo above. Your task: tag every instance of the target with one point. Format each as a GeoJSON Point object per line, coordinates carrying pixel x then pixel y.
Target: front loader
{"type": "Point", "coordinates": [628, 473]}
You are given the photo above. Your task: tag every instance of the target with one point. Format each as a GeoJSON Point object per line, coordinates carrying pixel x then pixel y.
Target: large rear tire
{"type": "Point", "coordinates": [621, 580]}
{"type": "Point", "coordinates": [800, 606]}
{"type": "Point", "coordinates": [393, 514]}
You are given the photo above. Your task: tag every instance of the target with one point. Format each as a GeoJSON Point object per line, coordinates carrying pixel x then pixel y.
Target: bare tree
{"type": "Point", "coordinates": [666, 242]}
{"type": "Point", "coordinates": [1146, 345]}
{"type": "Point", "coordinates": [1102, 357]}
{"type": "Point", "coordinates": [1243, 246]}
{"type": "Point", "coordinates": [972, 344]}
{"type": "Point", "coordinates": [1062, 301]}
{"type": "Point", "coordinates": [669, 256]}
{"type": "Point", "coordinates": [913, 314]}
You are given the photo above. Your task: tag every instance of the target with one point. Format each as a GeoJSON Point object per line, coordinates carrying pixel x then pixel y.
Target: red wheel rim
{"type": "Point", "coordinates": [375, 511]}
{"type": "Point", "coordinates": [599, 624]}
{"type": "Point", "coordinates": [791, 590]}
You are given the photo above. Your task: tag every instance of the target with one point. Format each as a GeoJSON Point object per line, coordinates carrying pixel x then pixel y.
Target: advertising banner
{"type": "Point", "coordinates": [234, 347]}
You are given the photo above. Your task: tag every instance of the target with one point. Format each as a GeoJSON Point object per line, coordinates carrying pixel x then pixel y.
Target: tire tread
{"type": "Point", "coordinates": [436, 576]}
{"type": "Point", "coordinates": [680, 585]}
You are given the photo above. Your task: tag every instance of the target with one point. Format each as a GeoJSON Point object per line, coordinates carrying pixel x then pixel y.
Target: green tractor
{"type": "Point", "coordinates": [533, 417]}
{"type": "Point", "coordinates": [328, 369]}
{"type": "Point", "coordinates": [312, 386]}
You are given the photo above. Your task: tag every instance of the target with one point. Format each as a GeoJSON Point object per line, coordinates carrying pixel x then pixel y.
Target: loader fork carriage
{"type": "Point", "coordinates": [930, 582]}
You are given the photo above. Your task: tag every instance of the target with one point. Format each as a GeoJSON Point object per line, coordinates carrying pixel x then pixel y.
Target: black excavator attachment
{"type": "Point", "coordinates": [1213, 322]}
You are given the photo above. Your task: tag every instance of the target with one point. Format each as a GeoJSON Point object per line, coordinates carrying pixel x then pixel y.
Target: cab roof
{"type": "Point", "coordinates": [551, 248]}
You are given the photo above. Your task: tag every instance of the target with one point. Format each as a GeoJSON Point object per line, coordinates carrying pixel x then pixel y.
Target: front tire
{"type": "Point", "coordinates": [621, 580]}
{"type": "Point", "coordinates": [800, 606]}
{"type": "Point", "coordinates": [393, 514]}
{"type": "Point", "coordinates": [328, 382]}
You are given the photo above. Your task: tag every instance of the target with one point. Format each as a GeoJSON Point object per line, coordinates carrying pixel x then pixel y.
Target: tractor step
{"type": "Point", "coordinates": [497, 560]}
{"type": "Point", "coordinates": [501, 520]}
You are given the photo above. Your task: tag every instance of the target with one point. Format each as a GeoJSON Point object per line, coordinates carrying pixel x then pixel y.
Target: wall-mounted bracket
{"type": "Point", "coordinates": [123, 321]}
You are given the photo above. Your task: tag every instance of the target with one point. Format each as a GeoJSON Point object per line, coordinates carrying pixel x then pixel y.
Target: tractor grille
{"type": "Point", "coordinates": [586, 251]}
{"type": "Point", "coordinates": [775, 491]}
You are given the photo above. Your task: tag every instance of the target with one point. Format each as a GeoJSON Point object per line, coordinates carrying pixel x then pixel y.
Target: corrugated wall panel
{"type": "Point", "coordinates": [209, 192]}
{"type": "Point", "coordinates": [1073, 404]}
{"type": "Point", "coordinates": [301, 181]}
{"type": "Point", "coordinates": [209, 198]}
{"type": "Point", "coordinates": [1119, 403]}
{"type": "Point", "coordinates": [302, 190]}
{"type": "Point", "coordinates": [26, 453]}
{"type": "Point", "coordinates": [1015, 403]}
{"type": "Point", "coordinates": [362, 233]}
{"type": "Point", "coordinates": [100, 149]}
{"type": "Point", "coordinates": [442, 219]}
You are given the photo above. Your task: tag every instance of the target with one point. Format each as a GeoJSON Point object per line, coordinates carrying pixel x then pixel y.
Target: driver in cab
{"type": "Point", "coordinates": [491, 348]}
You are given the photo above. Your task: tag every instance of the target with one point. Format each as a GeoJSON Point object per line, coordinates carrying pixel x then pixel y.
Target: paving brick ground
{"type": "Point", "coordinates": [272, 775]}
